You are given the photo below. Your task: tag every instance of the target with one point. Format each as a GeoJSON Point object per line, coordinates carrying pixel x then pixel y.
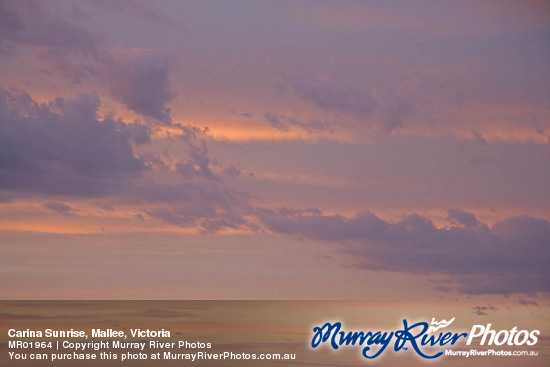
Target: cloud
{"type": "Point", "coordinates": [232, 171]}
{"type": "Point", "coordinates": [457, 216]}
{"type": "Point", "coordinates": [62, 147]}
{"type": "Point", "coordinates": [482, 310]}
{"type": "Point", "coordinates": [141, 134]}
{"type": "Point", "coordinates": [10, 22]}
{"type": "Point", "coordinates": [283, 123]}
{"type": "Point", "coordinates": [241, 114]}
{"type": "Point", "coordinates": [274, 121]}
{"type": "Point", "coordinates": [416, 95]}
{"type": "Point", "coordinates": [198, 162]}
{"type": "Point", "coordinates": [509, 257]}
{"type": "Point", "coordinates": [389, 107]}
{"type": "Point", "coordinates": [334, 97]}
{"type": "Point", "coordinates": [526, 302]}
{"type": "Point", "coordinates": [60, 208]}
{"type": "Point", "coordinates": [31, 23]}
{"type": "Point", "coordinates": [140, 80]}
{"type": "Point", "coordinates": [442, 285]}
{"type": "Point", "coordinates": [207, 206]}
{"type": "Point", "coordinates": [58, 43]}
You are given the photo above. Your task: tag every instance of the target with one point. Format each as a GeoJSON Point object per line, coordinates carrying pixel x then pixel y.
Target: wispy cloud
{"type": "Point", "coordinates": [483, 310]}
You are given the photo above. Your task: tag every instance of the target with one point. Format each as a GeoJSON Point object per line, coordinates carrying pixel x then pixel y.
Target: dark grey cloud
{"type": "Point", "coordinates": [526, 302]}
{"type": "Point", "coordinates": [198, 162]}
{"type": "Point", "coordinates": [141, 82]}
{"type": "Point", "coordinates": [59, 44]}
{"type": "Point", "coordinates": [232, 171]}
{"type": "Point", "coordinates": [141, 134]}
{"type": "Point", "coordinates": [60, 208]}
{"type": "Point", "coordinates": [383, 105]}
{"type": "Point", "coordinates": [390, 107]}
{"type": "Point", "coordinates": [457, 216]}
{"type": "Point", "coordinates": [508, 257]}
{"type": "Point", "coordinates": [31, 22]}
{"type": "Point", "coordinates": [10, 21]}
{"type": "Point", "coordinates": [442, 285]}
{"type": "Point", "coordinates": [394, 113]}
{"type": "Point", "coordinates": [208, 206]}
{"type": "Point", "coordinates": [241, 114]}
{"type": "Point", "coordinates": [274, 121]}
{"type": "Point", "coordinates": [283, 123]}
{"type": "Point", "coordinates": [483, 310]}
{"type": "Point", "coordinates": [62, 147]}
{"type": "Point", "coordinates": [335, 97]}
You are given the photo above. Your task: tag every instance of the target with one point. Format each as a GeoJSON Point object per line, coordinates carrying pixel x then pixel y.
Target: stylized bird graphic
{"type": "Point", "coordinates": [439, 325]}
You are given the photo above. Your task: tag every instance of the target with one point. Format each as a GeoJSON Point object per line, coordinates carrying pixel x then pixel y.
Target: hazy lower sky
{"type": "Point", "coordinates": [276, 150]}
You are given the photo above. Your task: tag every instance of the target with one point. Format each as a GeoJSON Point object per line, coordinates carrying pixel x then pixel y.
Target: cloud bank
{"type": "Point", "coordinates": [508, 257]}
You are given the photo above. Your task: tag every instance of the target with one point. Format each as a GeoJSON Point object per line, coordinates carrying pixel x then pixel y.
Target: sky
{"type": "Point", "coordinates": [276, 150]}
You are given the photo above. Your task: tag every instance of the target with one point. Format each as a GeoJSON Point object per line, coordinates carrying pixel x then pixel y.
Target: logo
{"type": "Point", "coordinates": [512, 337]}
{"type": "Point", "coordinates": [420, 337]}
{"type": "Point", "coordinates": [439, 325]}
